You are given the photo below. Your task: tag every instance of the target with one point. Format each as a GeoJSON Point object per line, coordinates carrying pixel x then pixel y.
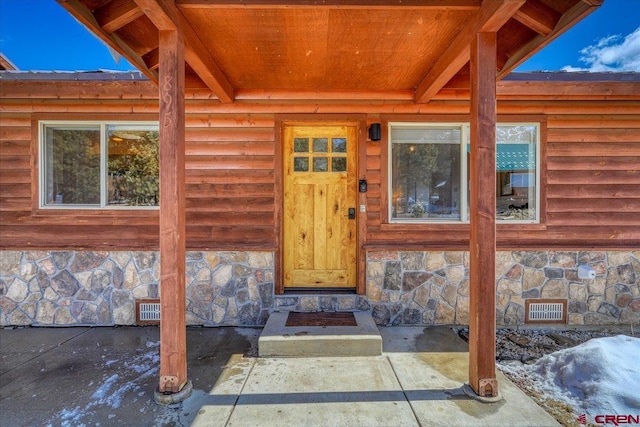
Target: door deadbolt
{"type": "Point", "coordinates": [352, 213]}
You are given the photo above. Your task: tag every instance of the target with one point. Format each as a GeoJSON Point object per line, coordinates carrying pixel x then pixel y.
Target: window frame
{"type": "Point", "coordinates": [464, 178]}
{"type": "Point", "coordinates": [86, 124]}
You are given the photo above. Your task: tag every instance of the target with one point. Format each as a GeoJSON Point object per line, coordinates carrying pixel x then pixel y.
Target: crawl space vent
{"type": "Point", "coordinates": [148, 312]}
{"type": "Point", "coordinates": [546, 311]}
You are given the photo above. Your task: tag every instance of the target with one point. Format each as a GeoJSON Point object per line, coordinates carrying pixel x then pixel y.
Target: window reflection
{"type": "Point", "coordinates": [429, 180]}
{"type": "Point", "coordinates": [132, 166]}
{"type": "Point", "coordinates": [426, 173]}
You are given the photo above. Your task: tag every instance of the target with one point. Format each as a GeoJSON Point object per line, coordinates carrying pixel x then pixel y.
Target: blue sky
{"type": "Point", "coordinates": [41, 35]}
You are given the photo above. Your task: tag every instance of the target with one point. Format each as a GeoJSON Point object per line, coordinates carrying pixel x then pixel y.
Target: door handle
{"type": "Point", "coordinates": [352, 213]}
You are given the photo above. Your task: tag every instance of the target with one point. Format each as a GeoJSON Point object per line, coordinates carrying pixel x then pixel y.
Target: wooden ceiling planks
{"type": "Point", "coordinates": [369, 50]}
{"type": "Point", "coordinates": [324, 49]}
{"type": "Point", "coordinates": [342, 4]}
{"type": "Point", "coordinates": [368, 46]}
{"type": "Point", "coordinates": [266, 48]}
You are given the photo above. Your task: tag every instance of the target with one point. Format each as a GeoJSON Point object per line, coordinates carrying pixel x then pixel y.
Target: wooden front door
{"type": "Point", "coordinates": [320, 206]}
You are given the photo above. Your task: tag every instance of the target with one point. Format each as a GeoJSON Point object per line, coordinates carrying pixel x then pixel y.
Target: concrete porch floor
{"type": "Point", "coordinates": [106, 376]}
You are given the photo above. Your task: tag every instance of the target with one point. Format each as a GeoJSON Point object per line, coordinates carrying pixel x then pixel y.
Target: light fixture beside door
{"type": "Point", "coordinates": [375, 132]}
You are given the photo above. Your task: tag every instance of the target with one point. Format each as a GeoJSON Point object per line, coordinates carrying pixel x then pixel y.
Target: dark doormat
{"type": "Point", "coordinates": [321, 319]}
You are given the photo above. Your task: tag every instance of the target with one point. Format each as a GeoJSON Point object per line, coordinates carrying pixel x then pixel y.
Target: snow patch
{"type": "Point", "coordinates": [104, 388]}
{"type": "Point", "coordinates": [71, 417]}
{"type": "Point", "coordinates": [113, 389]}
{"type": "Point", "coordinates": [600, 376]}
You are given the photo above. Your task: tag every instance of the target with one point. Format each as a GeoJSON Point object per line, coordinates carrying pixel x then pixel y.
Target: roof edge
{"type": "Point", "coordinates": [97, 75]}
{"type": "Point", "coordinates": [6, 64]}
{"type": "Point", "coordinates": [574, 76]}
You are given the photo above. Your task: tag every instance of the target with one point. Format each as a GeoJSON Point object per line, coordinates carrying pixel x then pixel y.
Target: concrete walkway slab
{"type": "Point", "coordinates": [107, 376]}
{"type": "Point", "coordinates": [215, 406]}
{"type": "Point", "coordinates": [15, 352]}
{"type": "Point", "coordinates": [322, 392]}
{"type": "Point", "coordinates": [432, 365]}
{"type": "Point", "coordinates": [433, 385]}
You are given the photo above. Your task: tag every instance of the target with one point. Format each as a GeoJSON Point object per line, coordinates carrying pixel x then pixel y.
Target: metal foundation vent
{"type": "Point", "coordinates": [545, 311]}
{"type": "Point", "coordinates": [148, 312]}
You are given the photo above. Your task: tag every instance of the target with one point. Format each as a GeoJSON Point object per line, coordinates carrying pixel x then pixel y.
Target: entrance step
{"type": "Point", "coordinates": [319, 335]}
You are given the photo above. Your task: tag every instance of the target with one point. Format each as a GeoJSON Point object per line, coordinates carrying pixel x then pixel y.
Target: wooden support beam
{"type": "Point", "coordinates": [78, 10]}
{"type": "Point", "coordinates": [491, 17]}
{"type": "Point", "coordinates": [165, 16]}
{"type": "Point", "coordinates": [173, 334]}
{"type": "Point", "coordinates": [574, 15]}
{"type": "Point", "coordinates": [482, 239]}
{"type": "Point", "coordinates": [116, 14]}
{"type": "Point", "coordinates": [538, 16]}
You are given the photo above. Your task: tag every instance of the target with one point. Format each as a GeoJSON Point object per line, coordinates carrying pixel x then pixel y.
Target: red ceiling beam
{"type": "Point", "coordinates": [166, 17]}
{"type": "Point", "coordinates": [538, 16]}
{"type": "Point", "coordinates": [490, 18]}
{"type": "Point", "coordinates": [116, 14]}
{"type": "Point", "coordinates": [152, 59]}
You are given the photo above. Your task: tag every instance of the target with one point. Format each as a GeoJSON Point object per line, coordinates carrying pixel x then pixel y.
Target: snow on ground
{"type": "Point", "coordinates": [113, 388]}
{"type": "Point", "coordinates": [600, 376]}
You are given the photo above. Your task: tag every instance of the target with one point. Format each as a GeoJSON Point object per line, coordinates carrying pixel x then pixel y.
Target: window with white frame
{"type": "Point", "coordinates": [99, 164]}
{"type": "Point", "coordinates": [429, 166]}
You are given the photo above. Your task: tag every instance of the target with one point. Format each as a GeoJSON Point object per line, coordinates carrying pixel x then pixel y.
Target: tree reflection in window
{"type": "Point", "coordinates": [426, 173]}
{"type": "Point", "coordinates": [133, 167]}
{"type": "Point", "coordinates": [72, 166]}
{"type": "Point", "coordinates": [100, 165]}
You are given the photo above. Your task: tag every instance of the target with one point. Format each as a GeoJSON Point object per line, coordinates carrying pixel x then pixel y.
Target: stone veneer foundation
{"type": "Point", "coordinates": [100, 288]}
{"type": "Point", "coordinates": [62, 288]}
{"type": "Point", "coordinates": [406, 288]}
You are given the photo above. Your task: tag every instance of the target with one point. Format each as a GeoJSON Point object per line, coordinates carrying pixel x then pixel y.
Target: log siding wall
{"type": "Point", "coordinates": [590, 171]}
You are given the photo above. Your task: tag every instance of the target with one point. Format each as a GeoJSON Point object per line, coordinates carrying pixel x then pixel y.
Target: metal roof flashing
{"type": "Point", "coordinates": [97, 75]}
{"type": "Point", "coordinates": [574, 76]}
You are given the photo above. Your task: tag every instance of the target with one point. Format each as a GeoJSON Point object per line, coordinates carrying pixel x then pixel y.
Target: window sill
{"type": "Point", "coordinates": [423, 226]}
{"type": "Point", "coordinates": [47, 212]}
{"type": "Point", "coordinates": [445, 226]}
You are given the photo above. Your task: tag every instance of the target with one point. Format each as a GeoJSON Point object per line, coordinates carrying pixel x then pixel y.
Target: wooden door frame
{"type": "Point", "coordinates": [281, 120]}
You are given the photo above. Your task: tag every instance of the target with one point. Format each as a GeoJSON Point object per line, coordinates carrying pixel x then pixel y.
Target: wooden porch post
{"type": "Point", "coordinates": [173, 339]}
{"type": "Point", "coordinates": [482, 301]}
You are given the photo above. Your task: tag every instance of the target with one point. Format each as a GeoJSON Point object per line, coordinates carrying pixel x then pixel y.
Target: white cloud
{"type": "Point", "coordinates": [611, 53]}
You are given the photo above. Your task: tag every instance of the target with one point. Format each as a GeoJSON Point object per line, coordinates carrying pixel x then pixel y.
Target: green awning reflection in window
{"type": "Point", "coordinates": [514, 157]}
